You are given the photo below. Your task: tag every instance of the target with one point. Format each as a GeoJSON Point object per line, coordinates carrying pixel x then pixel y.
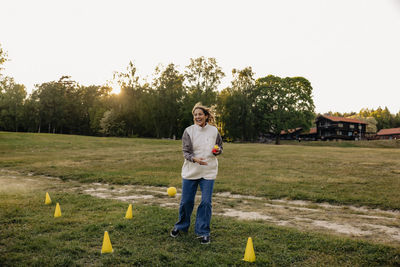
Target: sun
{"type": "Point", "coordinates": [116, 90]}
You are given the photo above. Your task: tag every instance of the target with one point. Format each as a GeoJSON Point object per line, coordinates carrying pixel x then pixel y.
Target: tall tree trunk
{"type": "Point", "coordinates": [278, 139]}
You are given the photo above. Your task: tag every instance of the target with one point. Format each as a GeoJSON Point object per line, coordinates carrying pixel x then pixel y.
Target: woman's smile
{"type": "Point", "coordinates": [199, 117]}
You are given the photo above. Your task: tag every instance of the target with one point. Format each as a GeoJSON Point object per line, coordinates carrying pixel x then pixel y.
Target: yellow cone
{"type": "Point", "coordinates": [48, 199]}
{"type": "Point", "coordinates": [249, 253]}
{"type": "Point", "coordinates": [106, 248]}
{"type": "Point", "coordinates": [128, 214]}
{"type": "Point", "coordinates": [57, 212]}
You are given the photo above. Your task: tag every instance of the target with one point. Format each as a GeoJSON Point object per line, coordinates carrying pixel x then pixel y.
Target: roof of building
{"type": "Point", "coordinates": [389, 131]}
{"type": "Point", "coordinates": [342, 119]}
{"type": "Point", "coordinates": [312, 131]}
{"type": "Point", "coordinates": [291, 130]}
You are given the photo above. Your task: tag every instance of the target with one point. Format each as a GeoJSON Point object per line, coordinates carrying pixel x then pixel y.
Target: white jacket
{"type": "Point", "coordinates": [198, 142]}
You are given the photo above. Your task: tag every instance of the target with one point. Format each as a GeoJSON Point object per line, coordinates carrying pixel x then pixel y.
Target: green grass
{"type": "Point", "coordinates": [341, 175]}
{"type": "Point", "coordinates": [31, 236]}
{"type": "Point", "coordinates": [343, 143]}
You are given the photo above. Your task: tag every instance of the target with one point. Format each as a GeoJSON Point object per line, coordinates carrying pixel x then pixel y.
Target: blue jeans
{"type": "Point", "coordinates": [203, 216]}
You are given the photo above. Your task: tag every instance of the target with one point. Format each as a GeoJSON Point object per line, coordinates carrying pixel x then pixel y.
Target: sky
{"type": "Point", "coordinates": [348, 49]}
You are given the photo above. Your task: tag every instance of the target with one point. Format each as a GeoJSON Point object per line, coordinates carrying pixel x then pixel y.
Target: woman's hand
{"type": "Point", "coordinates": [200, 161]}
{"type": "Point", "coordinates": [216, 151]}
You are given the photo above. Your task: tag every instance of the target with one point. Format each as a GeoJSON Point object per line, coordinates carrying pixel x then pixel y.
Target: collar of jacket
{"type": "Point", "coordinates": [199, 127]}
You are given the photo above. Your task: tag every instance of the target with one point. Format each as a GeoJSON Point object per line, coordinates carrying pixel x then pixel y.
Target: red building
{"type": "Point", "coordinates": [392, 133]}
{"type": "Point", "coordinates": [309, 135]}
{"type": "Point", "coordinates": [330, 128]}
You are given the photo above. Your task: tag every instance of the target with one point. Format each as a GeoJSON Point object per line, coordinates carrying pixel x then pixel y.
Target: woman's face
{"type": "Point", "coordinates": [199, 117]}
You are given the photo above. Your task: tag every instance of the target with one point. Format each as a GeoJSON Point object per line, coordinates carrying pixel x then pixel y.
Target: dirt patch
{"type": "Point", "coordinates": [343, 228]}
{"type": "Point", "coordinates": [246, 215]}
{"type": "Point", "coordinates": [375, 225]}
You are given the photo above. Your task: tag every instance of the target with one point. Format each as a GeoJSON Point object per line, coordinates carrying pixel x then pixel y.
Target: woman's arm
{"type": "Point", "coordinates": [218, 142]}
{"type": "Point", "coordinates": [187, 148]}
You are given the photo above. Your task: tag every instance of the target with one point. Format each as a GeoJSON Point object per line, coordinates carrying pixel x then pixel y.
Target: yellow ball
{"type": "Point", "coordinates": [171, 191]}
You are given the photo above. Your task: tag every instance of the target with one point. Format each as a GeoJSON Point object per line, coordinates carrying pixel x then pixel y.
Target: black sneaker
{"type": "Point", "coordinates": [205, 240]}
{"type": "Point", "coordinates": [174, 232]}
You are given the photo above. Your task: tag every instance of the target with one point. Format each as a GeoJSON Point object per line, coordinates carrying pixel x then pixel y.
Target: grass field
{"type": "Point", "coordinates": [394, 143]}
{"type": "Point", "coordinates": [30, 236]}
{"type": "Point", "coordinates": [342, 175]}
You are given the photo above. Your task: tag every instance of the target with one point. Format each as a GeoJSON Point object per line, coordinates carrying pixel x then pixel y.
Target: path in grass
{"type": "Point", "coordinates": [374, 225]}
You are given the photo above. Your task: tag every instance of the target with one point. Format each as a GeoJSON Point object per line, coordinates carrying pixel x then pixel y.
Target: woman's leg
{"type": "Point", "coordinates": [203, 217]}
{"type": "Point", "coordinates": [189, 188]}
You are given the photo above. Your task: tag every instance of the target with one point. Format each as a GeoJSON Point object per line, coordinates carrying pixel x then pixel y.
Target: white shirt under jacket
{"type": "Point", "coordinates": [198, 142]}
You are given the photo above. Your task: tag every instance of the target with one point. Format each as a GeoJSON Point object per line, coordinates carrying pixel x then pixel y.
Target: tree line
{"type": "Point", "coordinates": [246, 110]}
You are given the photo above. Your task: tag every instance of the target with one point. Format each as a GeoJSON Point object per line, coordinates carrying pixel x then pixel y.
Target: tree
{"type": "Point", "coordinates": [111, 125]}
{"type": "Point", "coordinates": [31, 117]}
{"type": "Point", "coordinates": [167, 98]}
{"type": "Point", "coordinates": [129, 103]}
{"type": "Point", "coordinates": [59, 106]}
{"type": "Point", "coordinates": [235, 106]}
{"type": "Point", "coordinates": [94, 102]}
{"type": "Point", "coordinates": [11, 104]}
{"type": "Point", "coordinates": [383, 117]}
{"type": "Point", "coordinates": [397, 120]}
{"type": "Point", "coordinates": [282, 104]}
{"type": "Point", "coordinates": [364, 113]}
{"type": "Point", "coordinates": [202, 78]}
{"type": "Point", "coordinates": [3, 58]}
{"type": "Point", "coordinates": [203, 75]}
{"type": "Point", "coordinates": [371, 125]}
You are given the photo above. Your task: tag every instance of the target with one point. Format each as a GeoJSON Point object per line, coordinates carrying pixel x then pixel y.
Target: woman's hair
{"type": "Point", "coordinates": [207, 111]}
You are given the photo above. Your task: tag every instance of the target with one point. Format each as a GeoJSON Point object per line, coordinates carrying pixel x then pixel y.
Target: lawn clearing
{"type": "Point", "coordinates": [362, 223]}
{"type": "Point", "coordinates": [338, 175]}
{"type": "Point", "coordinates": [30, 235]}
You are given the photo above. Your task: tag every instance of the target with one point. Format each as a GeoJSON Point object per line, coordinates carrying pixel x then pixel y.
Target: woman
{"type": "Point", "coordinates": [201, 143]}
